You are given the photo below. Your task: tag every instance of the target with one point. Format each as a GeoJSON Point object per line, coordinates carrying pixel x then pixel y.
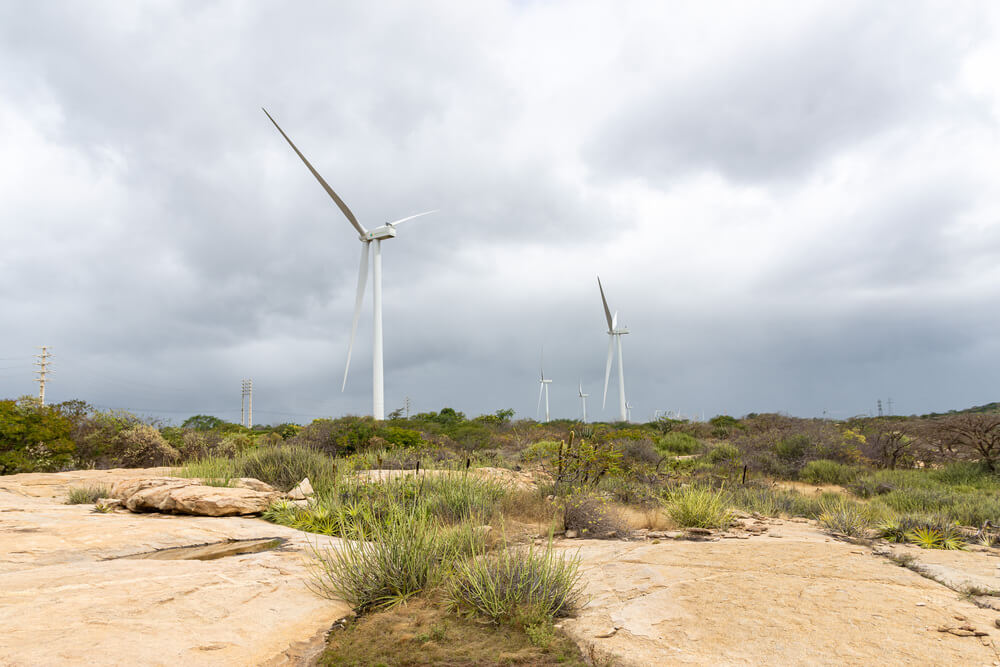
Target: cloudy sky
{"type": "Point", "coordinates": [794, 206]}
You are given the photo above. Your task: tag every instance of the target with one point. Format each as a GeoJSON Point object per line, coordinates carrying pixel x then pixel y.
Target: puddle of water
{"type": "Point", "coordinates": [214, 550]}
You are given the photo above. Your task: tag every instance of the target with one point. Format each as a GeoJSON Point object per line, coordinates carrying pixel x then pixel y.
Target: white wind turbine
{"type": "Point", "coordinates": [376, 236]}
{"type": "Point", "coordinates": [543, 387]}
{"type": "Point", "coordinates": [583, 398]}
{"type": "Point", "coordinates": [628, 411]}
{"type": "Point", "coordinates": [615, 333]}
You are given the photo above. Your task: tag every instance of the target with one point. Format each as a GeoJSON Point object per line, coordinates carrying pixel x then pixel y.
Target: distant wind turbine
{"type": "Point", "coordinates": [377, 235]}
{"type": "Point", "coordinates": [583, 398]}
{"type": "Point", "coordinates": [543, 387]}
{"type": "Point", "coordinates": [628, 411]}
{"type": "Point", "coordinates": [616, 334]}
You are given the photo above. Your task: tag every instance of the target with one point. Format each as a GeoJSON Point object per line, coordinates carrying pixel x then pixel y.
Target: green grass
{"type": "Point", "coordinates": [281, 466]}
{"type": "Point", "coordinates": [848, 517]}
{"type": "Point", "coordinates": [528, 587]}
{"type": "Point", "coordinates": [700, 507]}
{"type": "Point", "coordinates": [87, 495]}
{"type": "Point", "coordinates": [394, 558]}
{"type": "Point", "coordinates": [822, 471]}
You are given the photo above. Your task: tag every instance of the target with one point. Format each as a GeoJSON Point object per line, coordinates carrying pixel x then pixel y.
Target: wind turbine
{"type": "Point", "coordinates": [367, 238]}
{"type": "Point", "coordinates": [583, 398]}
{"type": "Point", "coordinates": [543, 386]}
{"type": "Point", "coordinates": [628, 411]}
{"type": "Point", "coordinates": [616, 334]}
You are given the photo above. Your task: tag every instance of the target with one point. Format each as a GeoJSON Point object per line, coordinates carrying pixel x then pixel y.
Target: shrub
{"type": "Point", "coordinates": [823, 471]}
{"type": "Point", "coordinates": [676, 442]}
{"type": "Point", "coordinates": [593, 516]}
{"type": "Point", "coordinates": [700, 507]}
{"type": "Point", "coordinates": [284, 466]}
{"type": "Point", "coordinates": [87, 495]}
{"type": "Point", "coordinates": [724, 453]}
{"type": "Point", "coordinates": [141, 446]}
{"type": "Point", "coordinates": [523, 586]}
{"type": "Point", "coordinates": [792, 448]}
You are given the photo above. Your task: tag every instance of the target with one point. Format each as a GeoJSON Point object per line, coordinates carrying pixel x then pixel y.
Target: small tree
{"type": "Point", "coordinates": [976, 434]}
{"type": "Point", "coordinates": [886, 443]}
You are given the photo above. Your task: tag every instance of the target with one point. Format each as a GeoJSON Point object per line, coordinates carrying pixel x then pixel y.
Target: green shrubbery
{"type": "Point", "coordinates": [700, 507]}
{"type": "Point", "coordinates": [822, 471]}
{"type": "Point", "coordinates": [34, 437]}
{"type": "Point", "coordinates": [676, 442]}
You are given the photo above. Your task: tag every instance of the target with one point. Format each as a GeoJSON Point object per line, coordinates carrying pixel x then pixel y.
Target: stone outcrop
{"type": "Point", "coordinates": [302, 490]}
{"type": "Point", "coordinates": [177, 495]}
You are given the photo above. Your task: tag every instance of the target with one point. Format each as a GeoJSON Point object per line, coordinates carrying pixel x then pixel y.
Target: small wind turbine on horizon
{"type": "Point", "coordinates": [543, 388]}
{"type": "Point", "coordinates": [628, 411]}
{"type": "Point", "coordinates": [583, 398]}
{"type": "Point", "coordinates": [376, 236]}
{"type": "Point", "coordinates": [616, 334]}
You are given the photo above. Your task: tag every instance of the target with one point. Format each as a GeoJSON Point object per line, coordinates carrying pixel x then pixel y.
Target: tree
{"type": "Point", "coordinates": [886, 442]}
{"type": "Point", "coordinates": [977, 434]}
{"type": "Point", "coordinates": [33, 437]}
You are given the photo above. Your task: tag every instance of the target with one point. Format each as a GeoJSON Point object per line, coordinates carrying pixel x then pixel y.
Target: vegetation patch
{"type": "Point", "coordinates": [87, 495]}
{"type": "Point", "coordinates": [700, 507]}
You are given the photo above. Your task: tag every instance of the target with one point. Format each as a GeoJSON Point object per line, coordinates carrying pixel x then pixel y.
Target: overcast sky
{"type": "Point", "coordinates": [794, 206]}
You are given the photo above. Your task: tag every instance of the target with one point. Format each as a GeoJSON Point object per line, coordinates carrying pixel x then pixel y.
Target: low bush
{"type": "Point", "coordinates": [700, 507]}
{"type": "Point", "coordinates": [676, 442]}
{"type": "Point", "coordinates": [593, 515]}
{"type": "Point", "coordinates": [724, 453]}
{"type": "Point", "coordinates": [823, 471]}
{"type": "Point", "coordinates": [142, 446]}
{"type": "Point", "coordinates": [527, 587]}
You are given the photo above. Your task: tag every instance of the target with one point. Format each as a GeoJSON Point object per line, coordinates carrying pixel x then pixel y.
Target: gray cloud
{"type": "Point", "coordinates": [796, 216]}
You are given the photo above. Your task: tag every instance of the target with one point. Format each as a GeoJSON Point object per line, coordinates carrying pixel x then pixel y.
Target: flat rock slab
{"type": "Point", "coordinates": [801, 600]}
{"type": "Point", "coordinates": [67, 599]}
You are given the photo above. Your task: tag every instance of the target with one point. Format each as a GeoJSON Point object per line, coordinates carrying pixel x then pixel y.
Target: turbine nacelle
{"type": "Point", "coordinates": [386, 231]}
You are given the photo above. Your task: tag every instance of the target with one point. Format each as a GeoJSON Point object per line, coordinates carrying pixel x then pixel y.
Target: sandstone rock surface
{"type": "Point", "coordinates": [67, 598]}
{"type": "Point", "coordinates": [805, 599]}
{"type": "Point", "coordinates": [178, 495]}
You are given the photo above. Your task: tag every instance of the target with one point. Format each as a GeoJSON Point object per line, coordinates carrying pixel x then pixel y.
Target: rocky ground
{"type": "Point", "coordinates": [770, 592]}
{"type": "Point", "coordinates": [67, 598]}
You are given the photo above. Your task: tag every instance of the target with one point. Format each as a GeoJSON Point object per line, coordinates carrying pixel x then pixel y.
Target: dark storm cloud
{"type": "Point", "coordinates": [159, 233]}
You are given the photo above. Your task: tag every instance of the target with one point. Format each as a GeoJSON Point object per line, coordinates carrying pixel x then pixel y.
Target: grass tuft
{"type": "Point", "coordinates": [700, 507]}
{"type": "Point", "coordinates": [87, 495]}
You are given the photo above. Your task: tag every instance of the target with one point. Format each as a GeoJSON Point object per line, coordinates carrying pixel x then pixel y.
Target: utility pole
{"type": "Point", "coordinates": [246, 403]}
{"type": "Point", "coordinates": [43, 370]}
{"type": "Point", "coordinates": [879, 404]}
{"type": "Point", "coordinates": [406, 406]}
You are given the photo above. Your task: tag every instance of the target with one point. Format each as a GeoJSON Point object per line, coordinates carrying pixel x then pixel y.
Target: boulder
{"type": "Point", "coordinates": [185, 496]}
{"type": "Point", "coordinates": [302, 490]}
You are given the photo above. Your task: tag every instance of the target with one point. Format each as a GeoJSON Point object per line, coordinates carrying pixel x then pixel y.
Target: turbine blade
{"type": "Point", "coordinates": [329, 190]}
{"type": "Point", "coordinates": [411, 217]}
{"type": "Point", "coordinates": [607, 371]}
{"type": "Point", "coordinates": [607, 311]}
{"type": "Point", "coordinates": [614, 321]}
{"type": "Point", "coordinates": [362, 279]}
{"type": "Point", "coordinates": [541, 388]}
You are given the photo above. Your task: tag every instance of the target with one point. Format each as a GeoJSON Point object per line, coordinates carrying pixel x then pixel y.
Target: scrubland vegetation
{"type": "Point", "coordinates": [445, 537]}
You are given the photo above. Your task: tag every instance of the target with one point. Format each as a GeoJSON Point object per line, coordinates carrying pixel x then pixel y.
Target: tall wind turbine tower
{"type": "Point", "coordinates": [616, 334]}
{"type": "Point", "coordinates": [367, 238]}
{"type": "Point", "coordinates": [543, 387]}
{"type": "Point", "coordinates": [583, 399]}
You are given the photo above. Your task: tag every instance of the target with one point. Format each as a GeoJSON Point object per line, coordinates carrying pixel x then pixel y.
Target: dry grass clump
{"type": "Point", "coordinates": [87, 495]}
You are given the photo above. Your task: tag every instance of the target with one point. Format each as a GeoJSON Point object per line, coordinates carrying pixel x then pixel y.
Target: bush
{"type": "Point", "coordinates": [676, 442]}
{"type": "Point", "coordinates": [823, 471]}
{"type": "Point", "coordinates": [724, 453]}
{"type": "Point", "coordinates": [87, 495]}
{"type": "Point", "coordinates": [792, 448]}
{"type": "Point", "coordinates": [284, 466]}
{"type": "Point", "coordinates": [700, 507]}
{"type": "Point", "coordinates": [522, 586]}
{"type": "Point", "coordinates": [33, 437]}
{"type": "Point", "coordinates": [593, 516]}
{"type": "Point", "coordinates": [142, 446]}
